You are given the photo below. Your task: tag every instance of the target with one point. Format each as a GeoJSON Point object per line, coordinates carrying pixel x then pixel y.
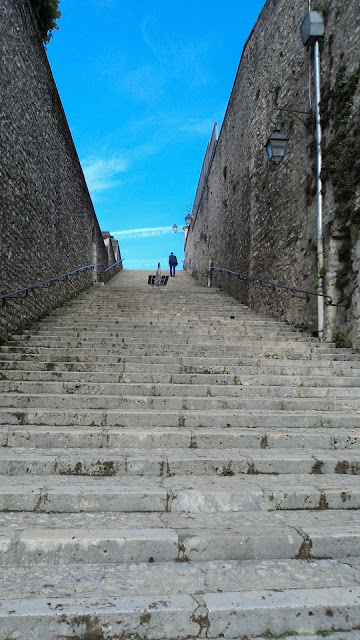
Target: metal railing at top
{"type": "Point", "coordinates": [113, 265]}
{"type": "Point", "coordinates": [23, 293]}
{"type": "Point", "coordinates": [195, 269]}
{"type": "Point", "coordinates": [264, 283]}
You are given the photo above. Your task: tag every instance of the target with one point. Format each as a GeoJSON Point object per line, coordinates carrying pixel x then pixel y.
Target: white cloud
{"type": "Point", "coordinates": [102, 173]}
{"type": "Point", "coordinates": [145, 232]}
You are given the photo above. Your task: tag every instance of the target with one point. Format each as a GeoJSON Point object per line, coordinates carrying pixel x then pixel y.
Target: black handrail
{"type": "Point", "coordinates": [195, 269]}
{"type": "Point", "coordinates": [42, 283]}
{"type": "Point", "coordinates": [266, 283]}
{"type": "Point", "coordinates": [114, 265]}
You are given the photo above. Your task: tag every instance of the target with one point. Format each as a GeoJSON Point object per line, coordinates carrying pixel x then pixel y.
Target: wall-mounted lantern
{"type": "Point", "coordinates": [175, 228]}
{"type": "Point", "coordinates": [276, 145]}
{"type": "Point", "coordinates": [312, 28]}
{"type": "Point", "coordinates": [188, 219]}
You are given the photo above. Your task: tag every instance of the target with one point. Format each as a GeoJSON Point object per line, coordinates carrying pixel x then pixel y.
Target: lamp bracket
{"type": "Point", "coordinates": [293, 112]}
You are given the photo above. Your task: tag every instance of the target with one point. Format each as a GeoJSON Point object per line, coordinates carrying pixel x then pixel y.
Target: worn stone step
{"type": "Point", "coordinates": [272, 345]}
{"type": "Point", "coordinates": [179, 364]}
{"type": "Point", "coordinates": [220, 352]}
{"type": "Point", "coordinates": [178, 538]}
{"type": "Point", "coordinates": [200, 363]}
{"type": "Point", "coordinates": [335, 383]}
{"type": "Point", "coordinates": [190, 494]}
{"type": "Point", "coordinates": [152, 544]}
{"type": "Point", "coordinates": [244, 613]}
{"type": "Point", "coordinates": [64, 335]}
{"type": "Point", "coordinates": [169, 462]}
{"type": "Point", "coordinates": [234, 388]}
{"type": "Point", "coordinates": [110, 332]}
{"type": "Point", "coordinates": [178, 419]}
{"type": "Point", "coordinates": [322, 533]}
{"type": "Point", "coordinates": [82, 337]}
{"type": "Point", "coordinates": [182, 402]}
{"type": "Point", "coordinates": [37, 437]}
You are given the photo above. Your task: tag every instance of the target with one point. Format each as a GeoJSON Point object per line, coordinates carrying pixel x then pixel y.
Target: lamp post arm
{"type": "Point", "coordinates": [293, 112]}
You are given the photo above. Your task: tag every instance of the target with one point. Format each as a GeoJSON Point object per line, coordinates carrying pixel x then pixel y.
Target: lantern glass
{"type": "Point", "coordinates": [188, 219]}
{"type": "Point", "coordinates": [276, 146]}
{"type": "Point", "coordinates": [175, 228]}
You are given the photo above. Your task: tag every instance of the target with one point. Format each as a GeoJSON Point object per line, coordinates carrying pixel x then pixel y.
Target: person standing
{"type": "Point", "coordinates": [172, 264]}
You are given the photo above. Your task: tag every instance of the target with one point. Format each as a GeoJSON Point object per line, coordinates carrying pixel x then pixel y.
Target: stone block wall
{"type": "Point", "coordinates": [48, 225]}
{"type": "Point", "coordinates": [259, 218]}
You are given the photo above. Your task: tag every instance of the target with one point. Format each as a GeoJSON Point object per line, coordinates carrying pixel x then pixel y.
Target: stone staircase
{"type": "Point", "coordinates": [168, 472]}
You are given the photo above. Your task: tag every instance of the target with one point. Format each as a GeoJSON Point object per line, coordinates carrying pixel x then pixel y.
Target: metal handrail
{"type": "Point", "coordinates": [195, 269]}
{"type": "Point", "coordinates": [42, 283]}
{"type": "Point", "coordinates": [114, 265]}
{"type": "Point", "coordinates": [266, 283]}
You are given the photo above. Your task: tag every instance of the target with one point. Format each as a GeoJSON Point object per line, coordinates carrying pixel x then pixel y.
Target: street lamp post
{"type": "Point", "coordinates": [312, 29]}
{"type": "Point", "coordinates": [188, 220]}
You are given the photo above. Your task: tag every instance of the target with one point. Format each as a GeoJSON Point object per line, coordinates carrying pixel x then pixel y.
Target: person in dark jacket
{"type": "Point", "coordinates": [172, 264]}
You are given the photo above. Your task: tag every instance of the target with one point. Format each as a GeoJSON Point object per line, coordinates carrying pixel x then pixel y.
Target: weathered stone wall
{"type": "Point", "coordinates": [259, 218]}
{"type": "Point", "coordinates": [48, 225]}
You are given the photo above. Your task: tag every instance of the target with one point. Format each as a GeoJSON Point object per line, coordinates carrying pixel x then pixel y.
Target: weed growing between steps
{"type": "Point", "coordinates": [341, 340]}
{"type": "Point", "coordinates": [269, 635]}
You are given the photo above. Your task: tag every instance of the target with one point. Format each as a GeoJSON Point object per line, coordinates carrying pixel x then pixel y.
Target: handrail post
{"type": "Point", "coordinates": [209, 274]}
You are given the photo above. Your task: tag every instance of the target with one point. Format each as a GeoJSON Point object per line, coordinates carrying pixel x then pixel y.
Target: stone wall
{"type": "Point", "coordinates": [48, 226]}
{"type": "Point", "coordinates": [259, 218]}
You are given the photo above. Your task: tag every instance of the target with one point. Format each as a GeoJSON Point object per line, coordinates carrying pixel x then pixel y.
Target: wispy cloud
{"type": "Point", "coordinates": [103, 173]}
{"type": "Point", "coordinates": [145, 232]}
{"type": "Point", "coordinates": [174, 53]}
{"type": "Point", "coordinates": [145, 83]}
{"type": "Point", "coordinates": [198, 127]}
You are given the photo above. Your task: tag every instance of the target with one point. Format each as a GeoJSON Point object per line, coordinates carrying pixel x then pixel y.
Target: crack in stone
{"type": "Point", "coordinates": [42, 500]}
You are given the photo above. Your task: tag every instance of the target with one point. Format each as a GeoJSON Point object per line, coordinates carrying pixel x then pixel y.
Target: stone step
{"type": "Point", "coordinates": [194, 316]}
{"type": "Point", "coordinates": [176, 340]}
{"type": "Point", "coordinates": [106, 329]}
{"type": "Point", "coordinates": [155, 348]}
{"type": "Point", "coordinates": [179, 461]}
{"type": "Point", "coordinates": [118, 331]}
{"type": "Point", "coordinates": [187, 340]}
{"type": "Point", "coordinates": [183, 601]}
{"type": "Point", "coordinates": [230, 388]}
{"type": "Point", "coordinates": [312, 521]}
{"type": "Point", "coordinates": [180, 494]}
{"type": "Point", "coordinates": [37, 437]}
{"type": "Point", "coordinates": [179, 331]}
{"type": "Point", "coordinates": [281, 401]}
{"type": "Point", "coordinates": [184, 319]}
{"type": "Point", "coordinates": [177, 538]}
{"type": "Point", "coordinates": [36, 376]}
{"type": "Point", "coordinates": [179, 419]}
{"type": "Point", "coordinates": [305, 534]}
{"type": "Point", "coordinates": [178, 364]}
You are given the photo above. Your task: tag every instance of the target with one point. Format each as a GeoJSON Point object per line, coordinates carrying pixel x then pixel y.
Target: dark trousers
{"type": "Point", "coordinates": [172, 270]}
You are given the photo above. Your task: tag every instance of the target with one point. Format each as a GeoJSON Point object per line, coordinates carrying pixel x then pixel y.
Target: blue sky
{"type": "Point", "coordinates": [142, 84]}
